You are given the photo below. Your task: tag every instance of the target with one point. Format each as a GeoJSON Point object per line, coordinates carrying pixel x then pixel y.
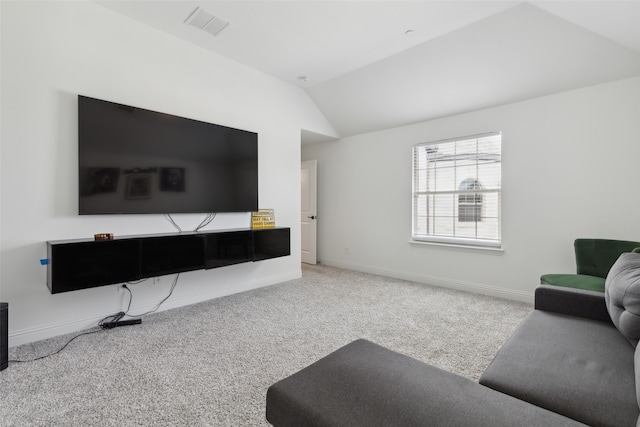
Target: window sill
{"type": "Point", "coordinates": [457, 245]}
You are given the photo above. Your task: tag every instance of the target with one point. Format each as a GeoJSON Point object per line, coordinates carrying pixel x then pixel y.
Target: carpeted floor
{"type": "Point", "coordinates": [210, 364]}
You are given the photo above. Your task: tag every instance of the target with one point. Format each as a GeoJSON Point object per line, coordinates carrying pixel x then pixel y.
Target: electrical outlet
{"type": "Point", "coordinates": [346, 250]}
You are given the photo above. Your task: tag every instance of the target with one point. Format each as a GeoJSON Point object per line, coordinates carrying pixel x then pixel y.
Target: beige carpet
{"type": "Point", "coordinates": [210, 364]}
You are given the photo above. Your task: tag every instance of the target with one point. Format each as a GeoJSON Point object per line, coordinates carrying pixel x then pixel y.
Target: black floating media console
{"type": "Point", "coordinates": [87, 263]}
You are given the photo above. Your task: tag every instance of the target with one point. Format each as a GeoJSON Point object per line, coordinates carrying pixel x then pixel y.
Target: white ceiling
{"type": "Point", "coordinates": [365, 74]}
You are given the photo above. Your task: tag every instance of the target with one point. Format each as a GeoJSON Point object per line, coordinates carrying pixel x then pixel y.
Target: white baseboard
{"type": "Point", "coordinates": [49, 330]}
{"type": "Point", "coordinates": [477, 288]}
{"type": "Point", "coordinates": [27, 335]}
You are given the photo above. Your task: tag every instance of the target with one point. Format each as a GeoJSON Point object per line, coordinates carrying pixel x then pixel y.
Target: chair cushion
{"type": "Point", "coordinates": [622, 295]}
{"type": "Point", "coordinates": [580, 368]}
{"type": "Point", "coordinates": [579, 281]}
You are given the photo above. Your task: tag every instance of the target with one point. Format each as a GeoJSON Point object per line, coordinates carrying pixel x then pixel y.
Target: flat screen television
{"type": "Point", "coordinates": [137, 161]}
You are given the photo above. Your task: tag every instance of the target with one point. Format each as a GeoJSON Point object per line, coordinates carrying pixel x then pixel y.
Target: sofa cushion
{"type": "Point", "coordinates": [580, 368]}
{"type": "Point", "coordinates": [622, 295]}
{"type": "Point", "coordinates": [636, 360]}
{"type": "Point", "coordinates": [578, 281]}
{"type": "Point", "coordinates": [364, 384]}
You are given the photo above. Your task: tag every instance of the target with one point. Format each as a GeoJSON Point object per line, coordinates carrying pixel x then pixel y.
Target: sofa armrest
{"type": "Point", "coordinates": [572, 301]}
{"type": "Point", "coordinates": [364, 384]}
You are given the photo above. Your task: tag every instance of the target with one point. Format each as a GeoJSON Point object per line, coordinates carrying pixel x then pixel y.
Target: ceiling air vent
{"type": "Point", "coordinates": [206, 21]}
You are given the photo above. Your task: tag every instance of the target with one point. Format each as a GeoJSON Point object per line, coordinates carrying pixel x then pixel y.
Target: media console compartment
{"type": "Point", "coordinates": [171, 254]}
{"type": "Point", "coordinates": [228, 248]}
{"type": "Point", "coordinates": [87, 263]}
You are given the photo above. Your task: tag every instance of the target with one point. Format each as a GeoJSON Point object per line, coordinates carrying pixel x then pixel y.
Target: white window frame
{"type": "Point", "coordinates": [483, 239]}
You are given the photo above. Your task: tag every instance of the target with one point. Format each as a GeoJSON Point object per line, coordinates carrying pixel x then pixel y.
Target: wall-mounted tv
{"type": "Point", "coordinates": [137, 161]}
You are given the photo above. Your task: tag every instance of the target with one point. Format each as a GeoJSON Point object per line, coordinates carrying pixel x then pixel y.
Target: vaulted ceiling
{"type": "Point", "coordinates": [371, 65]}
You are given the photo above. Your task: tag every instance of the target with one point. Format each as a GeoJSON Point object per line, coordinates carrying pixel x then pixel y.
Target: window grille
{"type": "Point", "coordinates": [457, 190]}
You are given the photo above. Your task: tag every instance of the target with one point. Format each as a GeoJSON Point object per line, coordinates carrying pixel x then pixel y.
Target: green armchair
{"type": "Point", "coordinates": [594, 258]}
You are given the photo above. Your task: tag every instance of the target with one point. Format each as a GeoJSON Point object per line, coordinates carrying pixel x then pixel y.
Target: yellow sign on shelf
{"type": "Point", "coordinates": [264, 218]}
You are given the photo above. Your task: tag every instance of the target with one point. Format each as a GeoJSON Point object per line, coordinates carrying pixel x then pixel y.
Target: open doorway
{"type": "Point", "coordinates": [308, 211]}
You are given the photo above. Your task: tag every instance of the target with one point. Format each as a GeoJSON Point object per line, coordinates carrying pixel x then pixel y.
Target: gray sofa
{"type": "Point", "coordinates": [572, 361]}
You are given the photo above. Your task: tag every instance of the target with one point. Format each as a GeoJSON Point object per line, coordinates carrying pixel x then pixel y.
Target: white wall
{"type": "Point", "coordinates": [53, 51]}
{"type": "Point", "coordinates": [570, 165]}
